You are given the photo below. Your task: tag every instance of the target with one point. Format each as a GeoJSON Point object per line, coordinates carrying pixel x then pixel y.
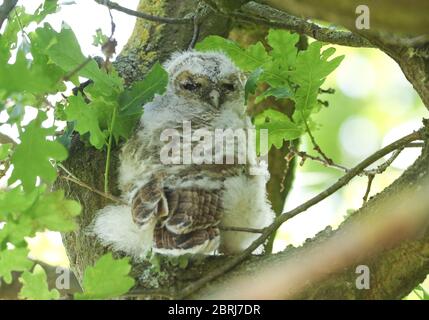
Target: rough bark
{"type": "Point", "coordinates": [151, 42]}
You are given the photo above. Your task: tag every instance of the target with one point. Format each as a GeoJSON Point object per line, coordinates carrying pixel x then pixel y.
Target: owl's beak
{"type": "Point", "coordinates": [214, 98]}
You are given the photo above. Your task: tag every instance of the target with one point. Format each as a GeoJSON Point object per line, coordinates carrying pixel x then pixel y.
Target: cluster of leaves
{"type": "Point", "coordinates": [288, 74]}
{"type": "Point", "coordinates": [35, 67]}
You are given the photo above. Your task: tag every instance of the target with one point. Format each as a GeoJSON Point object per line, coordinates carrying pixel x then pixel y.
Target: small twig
{"type": "Point", "coordinates": [316, 147]}
{"type": "Point", "coordinates": [195, 34]}
{"type": "Point", "coordinates": [327, 91]}
{"type": "Point", "coordinates": [77, 69]}
{"type": "Point", "coordinates": [304, 156]}
{"type": "Point", "coordinates": [368, 188]}
{"type": "Point", "coordinates": [72, 178]}
{"type": "Point", "coordinates": [112, 24]}
{"type": "Point", "coordinates": [191, 288]}
{"type": "Point", "coordinates": [241, 229]}
{"type": "Point", "coordinates": [383, 167]}
{"type": "Point", "coordinates": [109, 149]}
{"type": "Point", "coordinates": [142, 15]}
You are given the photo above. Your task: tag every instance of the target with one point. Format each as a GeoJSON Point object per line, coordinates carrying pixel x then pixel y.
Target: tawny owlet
{"type": "Point", "coordinates": [182, 205]}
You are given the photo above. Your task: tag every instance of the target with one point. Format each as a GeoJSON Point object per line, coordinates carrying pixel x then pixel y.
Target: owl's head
{"type": "Point", "coordinates": [210, 78]}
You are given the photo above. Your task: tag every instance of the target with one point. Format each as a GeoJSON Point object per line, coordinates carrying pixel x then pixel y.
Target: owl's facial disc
{"type": "Point", "coordinates": [201, 88]}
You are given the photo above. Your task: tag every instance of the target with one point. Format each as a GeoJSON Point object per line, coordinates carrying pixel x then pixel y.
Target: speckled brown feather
{"type": "Point", "coordinates": [185, 217]}
{"type": "Point", "coordinates": [193, 209]}
{"type": "Point", "coordinates": [166, 240]}
{"type": "Point", "coordinates": [149, 202]}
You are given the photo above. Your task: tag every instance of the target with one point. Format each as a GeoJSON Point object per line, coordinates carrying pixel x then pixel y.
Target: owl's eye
{"type": "Point", "coordinates": [228, 86]}
{"type": "Point", "coordinates": [190, 86]}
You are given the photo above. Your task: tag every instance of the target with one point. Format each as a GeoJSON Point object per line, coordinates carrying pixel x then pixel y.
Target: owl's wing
{"type": "Point", "coordinates": [193, 209]}
{"type": "Point", "coordinates": [198, 241]}
{"type": "Point", "coordinates": [149, 203]}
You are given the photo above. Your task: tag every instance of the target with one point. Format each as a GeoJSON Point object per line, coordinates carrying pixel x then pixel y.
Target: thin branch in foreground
{"type": "Point", "coordinates": [142, 15]}
{"type": "Point", "coordinates": [241, 229]}
{"type": "Point", "coordinates": [188, 290]}
{"type": "Point", "coordinates": [195, 34]}
{"type": "Point", "coordinates": [304, 156]}
{"type": "Point", "coordinates": [316, 147]}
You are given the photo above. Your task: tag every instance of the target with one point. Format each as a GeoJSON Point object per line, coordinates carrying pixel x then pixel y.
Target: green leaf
{"type": "Point", "coordinates": [66, 138]}
{"type": "Point", "coordinates": [19, 20]}
{"type": "Point", "coordinates": [99, 38]}
{"type": "Point", "coordinates": [63, 49]}
{"type": "Point", "coordinates": [250, 59]}
{"type": "Point", "coordinates": [32, 156]}
{"type": "Point", "coordinates": [4, 150]}
{"type": "Point", "coordinates": [13, 260]}
{"type": "Point", "coordinates": [108, 278]}
{"type": "Point", "coordinates": [278, 93]}
{"type": "Point", "coordinates": [86, 117]}
{"type": "Point", "coordinates": [35, 286]}
{"type": "Point", "coordinates": [279, 127]}
{"type": "Point", "coordinates": [27, 213]}
{"type": "Point", "coordinates": [25, 76]}
{"type": "Point", "coordinates": [252, 83]}
{"type": "Point", "coordinates": [15, 231]}
{"type": "Point", "coordinates": [142, 92]}
{"type": "Point", "coordinates": [421, 293]}
{"type": "Point", "coordinates": [284, 46]}
{"type": "Point", "coordinates": [312, 68]}
{"type": "Point", "coordinates": [55, 213]}
{"type": "Point", "coordinates": [15, 201]}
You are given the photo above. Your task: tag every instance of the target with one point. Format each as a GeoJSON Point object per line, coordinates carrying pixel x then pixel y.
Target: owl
{"type": "Point", "coordinates": [178, 206]}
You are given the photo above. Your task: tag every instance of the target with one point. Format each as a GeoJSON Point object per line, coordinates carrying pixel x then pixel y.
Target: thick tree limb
{"type": "Point", "coordinates": [363, 237]}
{"type": "Point", "coordinates": [399, 16]}
{"type": "Point", "coordinates": [264, 15]}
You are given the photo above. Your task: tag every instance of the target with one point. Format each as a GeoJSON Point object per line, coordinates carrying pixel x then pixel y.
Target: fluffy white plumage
{"type": "Point", "coordinates": [243, 195]}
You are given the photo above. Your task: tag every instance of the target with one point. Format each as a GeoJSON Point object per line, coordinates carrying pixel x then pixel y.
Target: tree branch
{"type": "Point", "coordinates": [303, 207]}
{"type": "Point", "coordinates": [5, 10]}
{"type": "Point", "coordinates": [267, 16]}
{"type": "Point", "coordinates": [404, 16]}
{"type": "Point", "coordinates": [142, 15]}
{"type": "Point", "coordinates": [367, 238]}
